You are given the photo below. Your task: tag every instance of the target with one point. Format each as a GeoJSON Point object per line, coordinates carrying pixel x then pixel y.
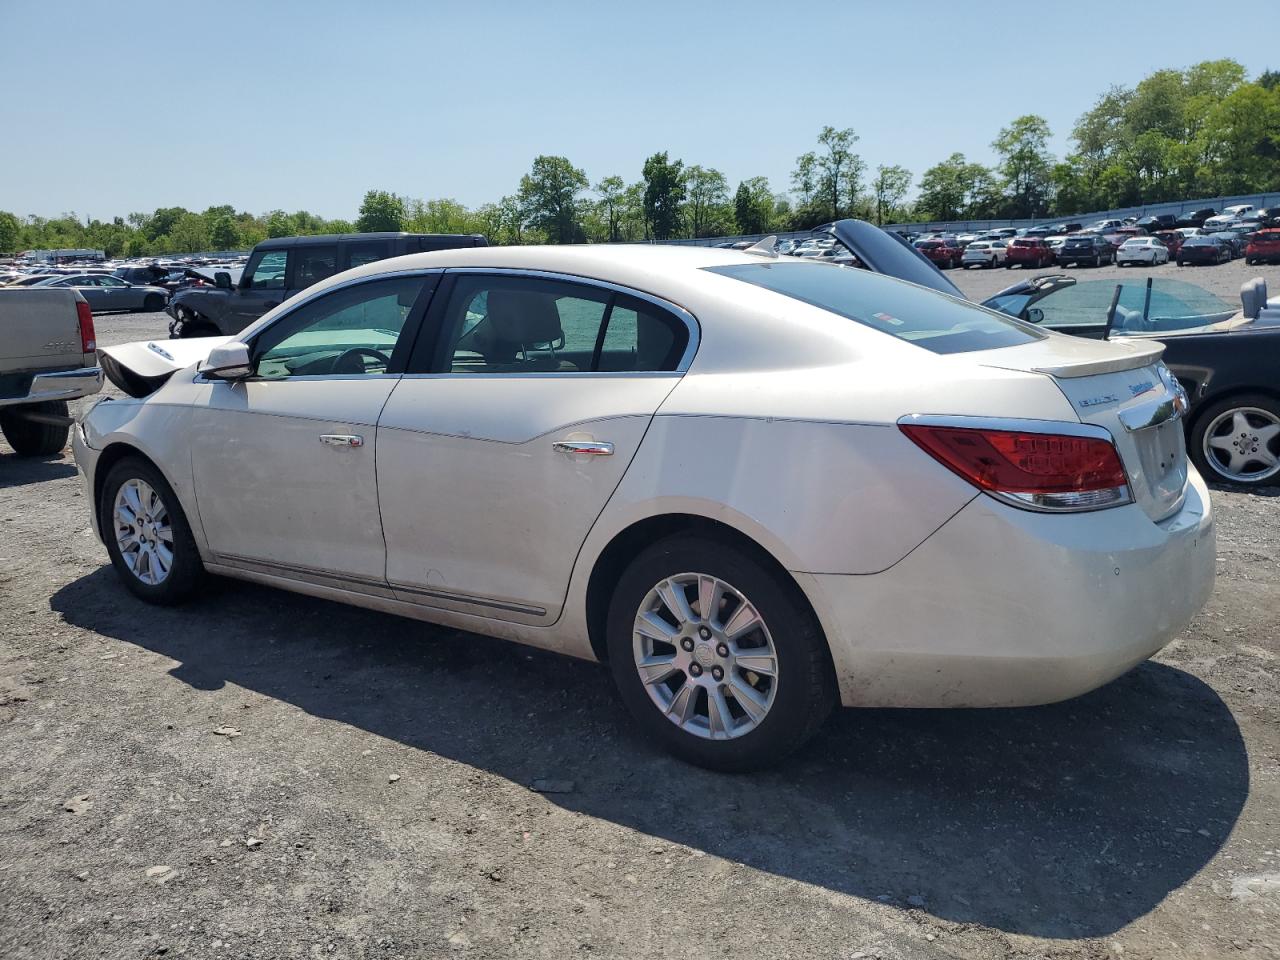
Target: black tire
{"type": "Point", "coordinates": [31, 439]}
{"type": "Point", "coordinates": [1201, 424]}
{"type": "Point", "coordinates": [805, 693]}
{"type": "Point", "coordinates": [153, 303]}
{"type": "Point", "coordinates": [186, 571]}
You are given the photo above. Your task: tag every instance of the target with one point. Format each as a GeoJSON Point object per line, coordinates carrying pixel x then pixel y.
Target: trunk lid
{"type": "Point", "coordinates": [1125, 389]}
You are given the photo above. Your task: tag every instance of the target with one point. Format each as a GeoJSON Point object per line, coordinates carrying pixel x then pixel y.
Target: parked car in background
{"type": "Point", "coordinates": [105, 293]}
{"type": "Point", "coordinates": [1106, 226]}
{"type": "Point", "coordinates": [1041, 231]}
{"type": "Point", "coordinates": [48, 355]}
{"type": "Point", "coordinates": [1142, 250]}
{"type": "Point", "coordinates": [148, 275]}
{"type": "Point", "coordinates": [1203, 250]}
{"type": "Point", "coordinates": [1263, 247]}
{"type": "Point", "coordinates": [281, 267]}
{"type": "Point", "coordinates": [944, 253]}
{"type": "Point", "coordinates": [1238, 210]}
{"type": "Point", "coordinates": [1196, 218]}
{"type": "Point", "coordinates": [1233, 241]}
{"type": "Point", "coordinates": [31, 279]}
{"type": "Point", "coordinates": [984, 253]}
{"type": "Point", "coordinates": [642, 540]}
{"type": "Point", "coordinates": [1172, 240]}
{"type": "Point", "coordinates": [1084, 249]}
{"type": "Point", "coordinates": [1029, 252]}
{"type": "Point", "coordinates": [1270, 216]}
{"type": "Point", "coordinates": [1162, 221]}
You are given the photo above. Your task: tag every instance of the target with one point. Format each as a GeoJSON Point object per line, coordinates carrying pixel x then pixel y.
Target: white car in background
{"type": "Point", "coordinates": [757, 486]}
{"type": "Point", "coordinates": [984, 253]}
{"type": "Point", "coordinates": [1146, 250]}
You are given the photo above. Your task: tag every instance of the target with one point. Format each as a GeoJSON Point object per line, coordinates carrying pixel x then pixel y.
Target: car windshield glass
{"type": "Point", "coordinates": [1175, 305]}
{"type": "Point", "coordinates": [935, 321]}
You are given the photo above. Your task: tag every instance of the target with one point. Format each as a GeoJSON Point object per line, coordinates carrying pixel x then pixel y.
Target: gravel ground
{"type": "Point", "coordinates": [264, 775]}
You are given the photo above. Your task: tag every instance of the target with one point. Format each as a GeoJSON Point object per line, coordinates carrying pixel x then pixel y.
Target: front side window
{"type": "Point", "coordinates": [511, 324]}
{"type": "Point", "coordinates": [314, 263]}
{"type": "Point", "coordinates": [266, 271]}
{"type": "Point", "coordinates": [350, 331]}
{"type": "Point", "coordinates": [934, 321]}
{"type": "Point", "coordinates": [110, 282]}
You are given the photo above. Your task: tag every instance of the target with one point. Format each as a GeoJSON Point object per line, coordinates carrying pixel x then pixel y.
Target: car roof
{"type": "Point", "coordinates": [279, 243]}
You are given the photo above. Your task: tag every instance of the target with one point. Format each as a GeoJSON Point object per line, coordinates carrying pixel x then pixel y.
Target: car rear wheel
{"type": "Point", "coordinates": [147, 534]}
{"type": "Point", "coordinates": [33, 438]}
{"type": "Point", "coordinates": [715, 658]}
{"type": "Point", "coordinates": [153, 303]}
{"type": "Point", "coordinates": [1238, 440]}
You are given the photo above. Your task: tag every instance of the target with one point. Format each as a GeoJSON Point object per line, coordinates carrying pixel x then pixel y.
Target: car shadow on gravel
{"type": "Point", "coordinates": [16, 471]}
{"type": "Point", "coordinates": [1068, 821]}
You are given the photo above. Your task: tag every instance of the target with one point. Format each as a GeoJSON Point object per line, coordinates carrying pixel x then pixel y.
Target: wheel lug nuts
{"type": "Point", "coordinates": [704, 633]}
{"type": "Point", "coordinates": [687, 643]}
{"type": "Point", "coordinates": [717, 673]}
{"type": "Point", "coordinates": [722, 649]}
{"type": "Point", "coordinates": [695, 669]}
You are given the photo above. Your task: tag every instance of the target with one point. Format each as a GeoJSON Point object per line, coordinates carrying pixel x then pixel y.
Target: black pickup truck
{"type": "Point", "coordinates": [280, 267]}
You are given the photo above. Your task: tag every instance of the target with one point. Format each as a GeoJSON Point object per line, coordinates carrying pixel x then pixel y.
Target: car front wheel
{"type": "Point", "coordinates": [147, 534]}
{"type": "Point", "coordinates": [1238, 440]}
{"type": "Point", "coordinates": [715, 657]}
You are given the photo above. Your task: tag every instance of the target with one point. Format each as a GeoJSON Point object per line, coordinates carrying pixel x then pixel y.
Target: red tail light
{"type": "Point", "coordinates": [88, 338]}
{"type": "Point", "coordinates": [1032, 470]}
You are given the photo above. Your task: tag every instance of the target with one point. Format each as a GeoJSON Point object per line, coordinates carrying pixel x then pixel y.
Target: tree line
{"type": "Point", "coordinates": [1203, 131]}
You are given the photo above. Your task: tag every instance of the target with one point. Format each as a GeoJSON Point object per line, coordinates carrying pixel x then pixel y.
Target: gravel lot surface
{"type": "Point", "coordinates": [264, 775]}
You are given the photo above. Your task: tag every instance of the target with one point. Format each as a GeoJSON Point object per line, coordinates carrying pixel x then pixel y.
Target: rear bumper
{"type": "Point", "coordinates": [59, 385]}
{"type": "Point", "coordinates": [1002, 607]}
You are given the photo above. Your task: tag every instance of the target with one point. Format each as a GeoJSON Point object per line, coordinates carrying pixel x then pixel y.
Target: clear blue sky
{"type": "Point", "coordinates": [111, 108]}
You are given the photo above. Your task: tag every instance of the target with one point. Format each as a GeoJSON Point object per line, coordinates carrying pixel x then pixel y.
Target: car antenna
{"type": "Point", "coordinates": [768, 247]}
{"type": "Point", "coordinates": [1111, 313]}
{"type": "Point", "coordinates": [1146, 304]}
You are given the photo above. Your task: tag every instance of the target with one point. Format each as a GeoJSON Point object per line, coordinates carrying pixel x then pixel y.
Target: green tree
{"type": "Point", "coordinates": [889, 188]}
{"type": "Point", "coordinates": [707, 211]}
{"type": "Point", "coordinates": [613, 192]}
{"type": "Point", "coordinates": [549, 198]}
{"type": "Point", "coordinates": [10, 229]}
{"type": "Point", "coordinates": [222, 233]}
{"type": "Point", "coordinates": [379, 211]}
{"type": "Point", "coordinates": [829, 179]}
{"type": "Point", "coordinates": [955, 189]}
{"type": "Point", "coordinates": [753, 205]}
{"type": "Point", "coordinates": [664, 193]}
{"type": "Point", "coordinates": [1025, 163]}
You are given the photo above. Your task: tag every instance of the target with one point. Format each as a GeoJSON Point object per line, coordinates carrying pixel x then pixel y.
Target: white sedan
{"type": "Point", "coordinates": [1146, 250]}
{"type": "Point", "coordinates": [984, 253]}
{"type": "Point", "coordinates": [755, 486]}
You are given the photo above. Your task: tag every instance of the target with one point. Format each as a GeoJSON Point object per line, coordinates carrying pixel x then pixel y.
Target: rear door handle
{"type": "Point", "coordinates": [593, 448]}
{"type": "Point", "coordinates": [342, 440]}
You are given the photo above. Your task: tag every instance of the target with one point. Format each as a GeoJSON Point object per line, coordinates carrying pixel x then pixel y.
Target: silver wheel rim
{"type": "Point", "coordinates": [1244, 444]}
{"type": "Point", "coordinates": [143, 531]}
{"type": "Point", "coordinates": [705, 656]}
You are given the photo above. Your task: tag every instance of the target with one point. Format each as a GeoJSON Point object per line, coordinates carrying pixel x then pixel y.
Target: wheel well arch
{"type": "Point", "coordinates": [112, 454]}
{"type": "Point", "coordinates": [631, 540]}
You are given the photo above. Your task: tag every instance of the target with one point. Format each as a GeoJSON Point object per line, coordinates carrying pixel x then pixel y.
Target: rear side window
{"type": "Point", "coordinates": [367, 251]}
{"type": "Point", "coordinates": [313, 264]}
{"type": "Point", "coordinates": [934, 321]}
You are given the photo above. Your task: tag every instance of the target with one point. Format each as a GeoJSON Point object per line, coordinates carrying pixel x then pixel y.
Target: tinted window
{"type": "Point", "coordinates": [266, 272]}
{"type": "Point", "coordinates": [313, 264]}
{"type": "Point", "coordinates": [362, 252]}
{"type": "Point", "coordinates": [937, 322]}
{"type": "Point", "coordinates": [352, 330]}
{"type": "Point", "coordinates": [510, 324]}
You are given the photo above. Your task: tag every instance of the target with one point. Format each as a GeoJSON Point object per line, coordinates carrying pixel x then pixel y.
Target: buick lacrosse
{"type": "Point", "coordinates": [756, 486]}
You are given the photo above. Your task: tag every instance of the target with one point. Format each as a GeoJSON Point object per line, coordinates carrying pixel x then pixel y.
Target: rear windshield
{"type": "Point", "coordinates": [935, 321]}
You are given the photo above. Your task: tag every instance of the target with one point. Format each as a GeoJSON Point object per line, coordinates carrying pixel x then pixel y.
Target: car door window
{"type": "Point", "coordinates": [267, 271]}
{"type": "Point", "coordinates": [361, 252]}
{"type": "Point", "coordinates": [510, 324]}
{"type": "Point", "coordinates": [350, 331]}
{"type": "Point", "coordinates": [313, 264]}
{"type": "Point", "coordinates": [111, 282]}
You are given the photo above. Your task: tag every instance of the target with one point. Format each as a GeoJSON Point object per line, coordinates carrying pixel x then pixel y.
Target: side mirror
{"type": "Point", "coordinates": [1035, 315]}
{"type": "Point", "coordinates": [222, 280]}
{"type": "Point", "coordinates": [228, 361]}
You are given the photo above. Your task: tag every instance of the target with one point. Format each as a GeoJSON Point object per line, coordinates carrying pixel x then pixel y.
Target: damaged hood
{"type": "Point", "coordinates": [141, 368]}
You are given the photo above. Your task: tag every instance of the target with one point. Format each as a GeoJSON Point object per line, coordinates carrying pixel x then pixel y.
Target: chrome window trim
{"type": "Point", "coordinates": [1014, 424]}
{"type": "Point", "coordinates": [685, 317]}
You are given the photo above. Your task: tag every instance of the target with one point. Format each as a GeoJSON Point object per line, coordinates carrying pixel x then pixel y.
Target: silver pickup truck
{"type": "Point", "coordinates": [48, 355]}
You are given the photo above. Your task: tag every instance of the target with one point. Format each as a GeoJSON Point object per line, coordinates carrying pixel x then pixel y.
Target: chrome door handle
{"type": "Point", "coordinates": [342, 440]}
{"type": "Point", "coordinates": [594, 448]}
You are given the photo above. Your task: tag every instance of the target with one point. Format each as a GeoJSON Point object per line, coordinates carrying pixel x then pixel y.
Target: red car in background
{"type": "Point", "coordinates": [1171, 239]}
{"type": "Point", "coordinates": [1263, 247]}
{"type": "Point", "coordinates": [944, 252]}
{"type": "Point", "coordinates": [1030, 252]}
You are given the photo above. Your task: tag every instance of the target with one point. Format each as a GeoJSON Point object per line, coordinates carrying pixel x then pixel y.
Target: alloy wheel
{"type": "Point", "coordinates": [1244, 444]}
{"type": "Point", "coordinates": [705, 656]}
{"type": "Point", "coordinates": [143, 531]}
